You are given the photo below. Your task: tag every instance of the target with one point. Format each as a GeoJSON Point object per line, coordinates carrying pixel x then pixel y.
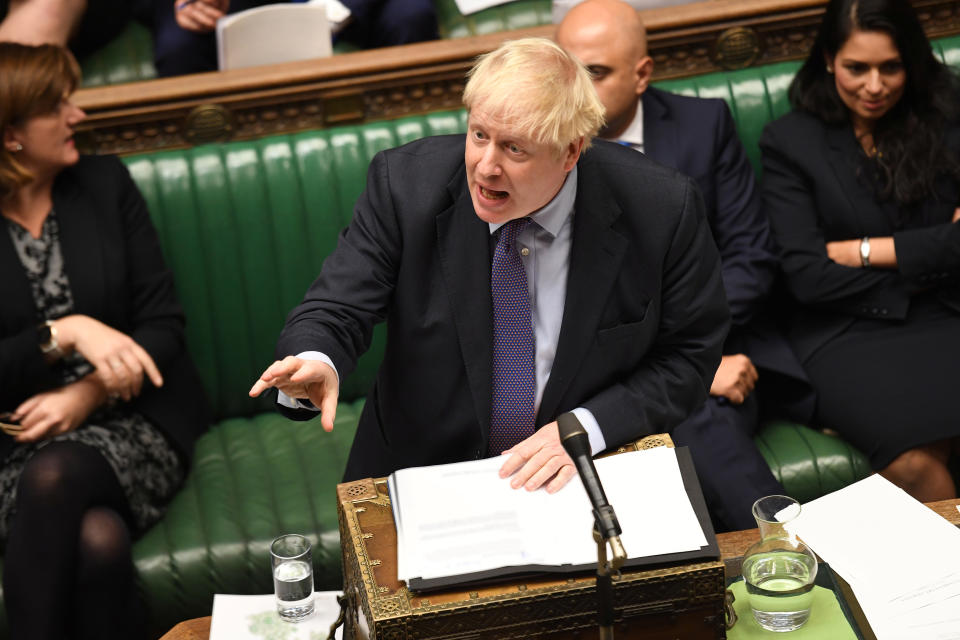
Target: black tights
{"type": "Point", "coordinates": [68, 571]}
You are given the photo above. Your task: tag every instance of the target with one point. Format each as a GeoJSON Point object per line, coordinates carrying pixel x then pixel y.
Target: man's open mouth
{"type": "Point", "coordinates": [493, 195]}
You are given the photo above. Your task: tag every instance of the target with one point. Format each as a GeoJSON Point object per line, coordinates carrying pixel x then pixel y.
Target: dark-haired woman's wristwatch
{"type": "Point", "coordinates": [47, 338]}
{"type": "Point", "coordinates": [865, 251]}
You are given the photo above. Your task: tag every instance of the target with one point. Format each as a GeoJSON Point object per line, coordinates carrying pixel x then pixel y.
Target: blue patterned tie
{"type": "Point", "coordinates": [514, 370]}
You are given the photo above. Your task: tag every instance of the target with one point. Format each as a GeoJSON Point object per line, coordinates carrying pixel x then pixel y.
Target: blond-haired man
{"type": "Point", "coordinates": [521, 276]}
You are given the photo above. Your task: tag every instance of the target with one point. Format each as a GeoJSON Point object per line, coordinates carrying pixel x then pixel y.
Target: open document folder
{"type": "Point", "coordinates": [900, 558]}
{"type": "Point", "coordinates": [461, 523]}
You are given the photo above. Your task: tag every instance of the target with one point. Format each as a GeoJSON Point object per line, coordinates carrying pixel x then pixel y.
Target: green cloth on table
{"type": "Point", "coordinates": [826, 619]}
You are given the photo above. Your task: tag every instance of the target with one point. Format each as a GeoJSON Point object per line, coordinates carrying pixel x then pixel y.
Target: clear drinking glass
{"type": "Point", "coordinates": [779, 571]}
{"type": "Point", "coordinates": [292, 576]}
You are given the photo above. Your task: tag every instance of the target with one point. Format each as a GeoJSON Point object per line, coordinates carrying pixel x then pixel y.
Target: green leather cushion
{"type": "Point", "coordinates": [252, 480]}
{"type": "Point", "coordinates": [518, 14]}
{"type": "Point", "coordinates": [245, 227]}
{"type": "Point", "coordinates": [126, 58]}
{"type": "Point", "coordinates": [809, 463]}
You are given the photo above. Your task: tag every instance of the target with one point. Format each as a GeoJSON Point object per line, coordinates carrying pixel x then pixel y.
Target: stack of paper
{"type": "Point", "coordinates": [463, 520]}
{"type": "Point", "coordinates": [901, 559]}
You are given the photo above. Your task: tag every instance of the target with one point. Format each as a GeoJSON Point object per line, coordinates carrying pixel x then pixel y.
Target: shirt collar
{"type": "Point", "coordinates": [554, 214]}
{"type": "Point", "coordinates": [633, 134]}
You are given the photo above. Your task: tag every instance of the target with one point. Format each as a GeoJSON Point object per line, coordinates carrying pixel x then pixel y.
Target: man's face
{"type": "Point", "coordinates": [620, 72]}
{"type": "Point", "coordinates": [509, 175]}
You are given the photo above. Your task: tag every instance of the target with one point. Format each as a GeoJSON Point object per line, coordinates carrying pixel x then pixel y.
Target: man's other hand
{"type": "Point", "coordinates": [311, 380]}
{"type": "Point", "coordinates": [539, 461]}
{"type": "Point", "coordinates": [735, 378]}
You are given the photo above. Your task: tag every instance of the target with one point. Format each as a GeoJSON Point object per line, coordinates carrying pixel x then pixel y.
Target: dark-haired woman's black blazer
{"type": "Point", "coordinates": [815, 190]}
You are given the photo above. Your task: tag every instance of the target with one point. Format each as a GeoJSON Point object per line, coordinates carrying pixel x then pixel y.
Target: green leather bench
{"type": "Point", "coordinates": [129, 56]}
{"type": "Point", "coordinates": [245, 227]}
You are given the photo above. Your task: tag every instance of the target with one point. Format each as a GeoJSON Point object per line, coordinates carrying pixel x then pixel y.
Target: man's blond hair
{"type": "Point", "coordinates": [540, 89]}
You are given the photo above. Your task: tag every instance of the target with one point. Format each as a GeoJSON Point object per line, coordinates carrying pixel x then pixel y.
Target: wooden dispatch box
{"type": "Point", "coordinates": [682, 602]}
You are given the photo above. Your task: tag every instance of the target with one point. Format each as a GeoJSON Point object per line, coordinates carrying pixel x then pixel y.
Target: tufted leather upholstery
{"type": "Point", "coordinates": [518, 14]}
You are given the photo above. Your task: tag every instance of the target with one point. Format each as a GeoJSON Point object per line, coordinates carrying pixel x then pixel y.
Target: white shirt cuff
{"type": "Point", "coordinates": [294, 403]}
{"type": "Point", "coordinates": [589, 424]}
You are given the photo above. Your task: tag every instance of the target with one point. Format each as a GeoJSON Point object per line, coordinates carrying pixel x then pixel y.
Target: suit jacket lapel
{"type": "Point", "coordinates": [595, 257]}
{"type": "Point", "coordinates": [463, 244]}
{"type": "Point", "coordinates": [659, 130]}
{"type": "Point", "coordinates": [81, 244]}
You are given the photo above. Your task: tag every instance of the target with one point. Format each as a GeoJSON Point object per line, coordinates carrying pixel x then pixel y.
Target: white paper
{"type": "Point", "coordinates": [466, 7]}
{"type": "Point", "coordinates": [901, 559]}
{"type": "Point", "coordinates": [256, 618]}
{"type": "Point", "coordinates": [273, 33]}
{"type": "Point", "coordinates": [485, 524]}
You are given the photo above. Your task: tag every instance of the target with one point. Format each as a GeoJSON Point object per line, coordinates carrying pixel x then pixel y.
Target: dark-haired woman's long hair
{"type": "Point", "coordinates": [910, 137]}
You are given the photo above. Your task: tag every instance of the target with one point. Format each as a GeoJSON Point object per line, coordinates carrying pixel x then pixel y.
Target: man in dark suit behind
{"type": "Point", "coordinates": [622, 311]}
{"type": "Point", "coordinates": [698, 138]}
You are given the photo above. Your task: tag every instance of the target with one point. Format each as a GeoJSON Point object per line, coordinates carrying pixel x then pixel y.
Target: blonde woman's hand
{"type": "Point", "coordinates": [120, 362]}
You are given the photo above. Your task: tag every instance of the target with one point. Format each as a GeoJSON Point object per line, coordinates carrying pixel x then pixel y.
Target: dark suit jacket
{"type": "Point", "coordinates": [117, 275]}
{"type": "Point", "coordinates": [643, 321]}
{"type": "Point", "coordinates": [697, 137]}
{"type": "Point", "coordinates": [816, 190]}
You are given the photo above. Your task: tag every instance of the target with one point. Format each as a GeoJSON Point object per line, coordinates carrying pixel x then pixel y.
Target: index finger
{"type": "Point", "coordinates": [512, 465]}
{"type": "Point", "coordinates": [148, 365]}
{"type": "Point", "coordinates": [279, 369]}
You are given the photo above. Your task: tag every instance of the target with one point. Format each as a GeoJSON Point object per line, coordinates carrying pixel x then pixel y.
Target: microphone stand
{"type": "Point", "coordinates": [606, 529]}
{"type": "Point", "coordinates": [605, 571]}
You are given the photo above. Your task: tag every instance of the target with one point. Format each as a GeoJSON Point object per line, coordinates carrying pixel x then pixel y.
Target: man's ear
{"type": "Point", "coordinates": [572, 154]}
{"type": "Point", "coordinates": [643, 71]}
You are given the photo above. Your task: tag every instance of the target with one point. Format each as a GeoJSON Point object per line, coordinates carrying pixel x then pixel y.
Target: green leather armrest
{"type": "Point", "coordinates": [809, 463]}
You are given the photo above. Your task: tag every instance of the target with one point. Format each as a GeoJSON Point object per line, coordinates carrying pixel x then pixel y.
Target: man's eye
{"type": "Point", "coordinates": [514, 148]}
{"type": "Point", "coordinates": [478, 135]}
{"type": "Point", "coordinates": [598, 73]}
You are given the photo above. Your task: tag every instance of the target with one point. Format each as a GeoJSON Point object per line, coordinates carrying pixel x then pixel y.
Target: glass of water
{"type": "Point", "coordinates": [780, 570]}
{"type": "Point", "coordinates": [292, 576]}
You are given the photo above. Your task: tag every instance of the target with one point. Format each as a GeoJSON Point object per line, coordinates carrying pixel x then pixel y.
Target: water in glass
{"type": "Point", "coordinates": [780, 570]}
{"type": "Point", "coordinates": [292, 576]}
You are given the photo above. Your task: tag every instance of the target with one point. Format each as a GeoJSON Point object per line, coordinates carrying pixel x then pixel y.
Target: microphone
{"type": "Point", "coordinates": [576, 443]}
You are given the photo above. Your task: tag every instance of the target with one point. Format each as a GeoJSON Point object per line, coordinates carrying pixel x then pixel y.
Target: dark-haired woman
{"type": "Point", "coordinates": [862, 184]}
{"type": "Point", "coordinates": [93, 370]}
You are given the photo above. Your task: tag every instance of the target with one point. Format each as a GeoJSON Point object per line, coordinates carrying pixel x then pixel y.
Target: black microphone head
{"type": "Point", "coordinates": [573, 436]}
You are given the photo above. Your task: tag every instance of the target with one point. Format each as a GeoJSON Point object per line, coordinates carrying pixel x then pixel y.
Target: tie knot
{"type": "Point", "coordinates": [512, 229]}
